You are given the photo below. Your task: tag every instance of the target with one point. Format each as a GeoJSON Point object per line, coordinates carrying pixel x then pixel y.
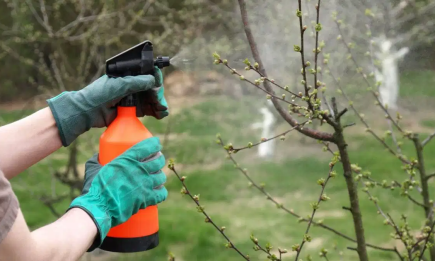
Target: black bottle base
{"type": "Point", "coordinates": [130, 245]}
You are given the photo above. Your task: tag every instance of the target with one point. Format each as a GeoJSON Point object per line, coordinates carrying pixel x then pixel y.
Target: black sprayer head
{"type": "Point", "coordinates": [138, 60]}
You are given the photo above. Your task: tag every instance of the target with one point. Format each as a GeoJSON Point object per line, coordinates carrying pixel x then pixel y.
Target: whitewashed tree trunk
{"type": "Point", "coordinates": [266, 149]}
{"type": "Point", "coordinates": [389, 74]}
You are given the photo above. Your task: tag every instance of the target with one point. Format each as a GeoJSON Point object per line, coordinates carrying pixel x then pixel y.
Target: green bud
{"type": "Point", "coordinates": [253, 239]}
{"type": "Point", "coordinates": [307, 238]}
{"type": "Point", "coordinates": [296, 247]}
{"type": "Point", "coordinates": [321, 181]}
{"type": "Point", "coordinates": [324, 197]}
{"type": "Point", "coordinates": [319, 27]}
{"type": "Point", "coordinates": [369, 12]}
{"type": "Point", "coordinates": [314, 205]}
{"type": "Point", "coordinates": [298, 13]}
{"type": "Point", "coordinates": [216, 56]}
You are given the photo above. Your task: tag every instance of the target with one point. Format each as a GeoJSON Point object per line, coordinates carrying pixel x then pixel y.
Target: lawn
{"type": "Point", "coordinates": [291, 178]}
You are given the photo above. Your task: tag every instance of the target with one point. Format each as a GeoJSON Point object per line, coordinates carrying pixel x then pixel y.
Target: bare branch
{"type": "Point", "coordinates": [264, 140]}
{"type": "Point", "coordinates": [45, 17]}
{"type": "Point", "coordinates": [234, 71]}
{"type": "Point", "coordinates": [291, 211]}
{"type": "Point", "coordinates": [428, 139]}
{"type": "Point", "coordinates": [36, 15]}
{"type": "Point", "coordinates": [286, 116]}
{"type": "Point", "coordinates": [375, 95]}
{"type": "Point", "coordinates": [361, 117]}
{"type": "Point", "coordinates": [316, 53]}
{"type": "Point", "coordinates": [200, 208]}
{"type": "Point", "coordinates": [315, 206]}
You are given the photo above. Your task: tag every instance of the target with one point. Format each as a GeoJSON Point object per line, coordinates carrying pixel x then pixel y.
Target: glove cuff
{"type": "Point", "coordinates": [52, 105]}
{"type": "Point", "coordinates": [98, 214]}
{"type": "Point", "coordinates": [68, 117]}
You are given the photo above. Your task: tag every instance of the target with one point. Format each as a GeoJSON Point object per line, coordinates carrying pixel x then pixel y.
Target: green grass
{"type": "Point", "coordinates": [225, 193]}
{"type": "Point", "coordinates": [417, 84]}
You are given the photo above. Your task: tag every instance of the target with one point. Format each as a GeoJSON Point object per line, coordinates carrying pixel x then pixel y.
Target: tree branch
{"type": "Point", "coordinates": [231, 149]}
{"type": "Point", "coordinates": [428, 139]}
{"type": "Point", "coordinates": [200, 208]}
{"type": "Point", "coordinates": [361, 117]}
{"type": "Point", "coordinates": [425, 187]}
{"type": "Point", "coordinates": [315, 206]}
{"type": "Point", "coordinates": [316, 53]}
{"type": "Point", "coordinates": [286, 116]}
{"type": "Point", "coordinates": [291, 211]}
{"type": "Point", "coordinates": [351, 188]}
{"type": "Point", "coordinates": [375, 95]}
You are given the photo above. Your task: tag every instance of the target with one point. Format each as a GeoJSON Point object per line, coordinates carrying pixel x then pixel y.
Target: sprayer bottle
{"type": "Point", "coordinates": [141, 231]}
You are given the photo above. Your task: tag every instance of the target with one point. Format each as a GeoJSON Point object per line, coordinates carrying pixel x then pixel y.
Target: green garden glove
{"type": "Point", "coordinates": [94, 106]}
{"type": "Point", "coordinates": [114, 192]}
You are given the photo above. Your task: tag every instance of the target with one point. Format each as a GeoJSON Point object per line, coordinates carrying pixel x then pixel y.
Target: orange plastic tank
{"type": "Point", "coordinates": [140, 232]}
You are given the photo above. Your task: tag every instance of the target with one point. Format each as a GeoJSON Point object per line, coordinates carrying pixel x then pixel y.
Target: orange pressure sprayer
{"type": "Point", "coordinates": [141, 231]}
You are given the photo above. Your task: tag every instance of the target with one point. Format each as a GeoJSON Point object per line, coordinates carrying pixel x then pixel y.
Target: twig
{"type": "Point", "coordinates": [430, 176]}
{"type": "Point", "coordinates": [400, 234]}
{"type": "Point", "coordinates": [395, 184]}
{"type": "Point", "coordinates": [426, 141]}
{"type": "Point", "coordinates": [316, 53]}
{"type": "Point", "coordinates": [267, 250]}
{"type": "Point", "coordinates": [393, 136]}
{"type": "Point", "coordinates": [315, 206]}
{"type": "Point", "coordinates": [291, 211]}
{"type": "Point", "coordinates": [426, 241]}
{"type": "Point", "coordinates": [235, 150]}
{"type": "Point", "coordinates": [375, 95]}
{"type": "Point", "coordinates": [284, 113]}
{"type": "Point", "coordinates": [234, 71]}
{"type": "Point", "coordinates": [273, 82]}
{"type": "Point", "coordinates": [201, 209]}
{"type": "Point", "coordinates": [387, 217]}
{"type": "Point", "coordinates": [368, 129]}
{"type": "Point", "coordinates": [302, 30]}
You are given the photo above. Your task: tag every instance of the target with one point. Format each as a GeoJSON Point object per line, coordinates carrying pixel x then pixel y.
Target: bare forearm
{"type": "Point", "coordinates": [67, 239]}
{"type": "Point", "coordinates": [27, 141]}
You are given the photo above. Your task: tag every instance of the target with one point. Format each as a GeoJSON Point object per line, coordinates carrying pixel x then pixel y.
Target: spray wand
{"type": "Point", "coordinates": [141, 231]}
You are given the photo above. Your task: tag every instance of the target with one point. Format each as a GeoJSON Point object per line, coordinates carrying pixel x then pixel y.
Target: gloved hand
{"type": "Point", "coordinates": [76, 112]}
{"type": "Point", "coordinates": [114, 192]}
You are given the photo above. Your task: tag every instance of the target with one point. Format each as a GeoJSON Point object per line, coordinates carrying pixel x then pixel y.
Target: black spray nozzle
{"type": "Point", "coordinates": [162, 61]}
{"type": "Point", "coordinates": [138, 60]}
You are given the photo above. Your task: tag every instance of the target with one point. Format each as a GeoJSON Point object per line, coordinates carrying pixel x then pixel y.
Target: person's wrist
{"type": "Point", "coordinates": [98, 213]}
